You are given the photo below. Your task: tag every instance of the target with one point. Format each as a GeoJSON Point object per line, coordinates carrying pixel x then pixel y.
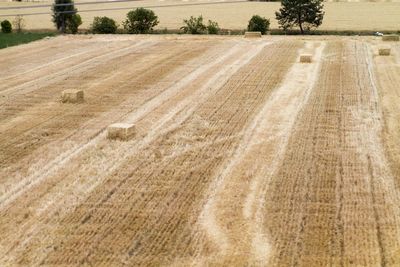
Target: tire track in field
{"type": "Point", "coordinates": [333, 190]}
{"type": "Point", "coordinates": [233, 208]}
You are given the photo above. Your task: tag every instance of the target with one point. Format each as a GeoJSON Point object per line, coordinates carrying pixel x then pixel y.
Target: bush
{"type": "Point", "coordinates": [140, 21]}
{"type": "Point", "coordinates": [194, 25]}
{"type": "Point", "coordinates": [6, 26]}
{"type": "Point", "coordinates": [73, 23]}
{"type": "Point", "coordinates": [258, 24]}
{"type": "Point", "coordinates": [212, 27]}
{"type": "Point", "coordinates": [104, 25]}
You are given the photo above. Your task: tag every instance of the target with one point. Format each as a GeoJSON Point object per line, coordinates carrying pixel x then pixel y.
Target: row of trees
{"type": "Point", "coordinates": [305, 14]}
{"type": "Point", "coordinates": [137, 21]}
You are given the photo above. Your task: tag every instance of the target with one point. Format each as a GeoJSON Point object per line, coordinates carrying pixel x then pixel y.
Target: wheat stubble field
{"type": "Point", "coordinates": [243, 156]}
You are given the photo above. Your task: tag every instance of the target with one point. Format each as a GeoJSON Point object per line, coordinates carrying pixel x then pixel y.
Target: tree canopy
{"type": "Point", "coordinates": [303, 13]}
{"type": "Point", "coordinates": [63, 12]}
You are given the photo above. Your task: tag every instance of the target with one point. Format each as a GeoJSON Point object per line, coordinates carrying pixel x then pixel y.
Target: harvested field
{"type": "Point", "coordinates": [238, 154]}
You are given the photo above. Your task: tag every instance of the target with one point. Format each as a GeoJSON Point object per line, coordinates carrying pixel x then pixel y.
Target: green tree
{"type": "Point", "coordinates": [140, 21]}
{"type": "Point", "coordinates": [63, 11]}
{"type": "Point", "coordinates": [194, 25]}
{"type": "Point", "coordinates": [258, 24]}
{"type": "Point", "coordinates": [303, 13]}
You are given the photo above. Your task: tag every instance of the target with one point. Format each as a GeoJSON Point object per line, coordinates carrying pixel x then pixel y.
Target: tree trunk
{"type": "Point", "coordinates": [300, 23]}
{"type": "Point", "coordinates": [63, 24]}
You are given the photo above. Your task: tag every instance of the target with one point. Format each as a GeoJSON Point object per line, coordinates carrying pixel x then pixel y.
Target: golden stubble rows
{"type": "Point", "coordinates": [243, 156]}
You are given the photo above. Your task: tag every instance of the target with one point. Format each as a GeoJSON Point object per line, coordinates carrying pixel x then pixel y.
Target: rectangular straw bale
{"type": "Point", "coordinates": [121, 131]}
{"type": "Point", "coordinates": [384, 51]}
{"type": "Point", "coordinates": [305, 58]}
{"type": "Point", "coordinates": [72, 96]}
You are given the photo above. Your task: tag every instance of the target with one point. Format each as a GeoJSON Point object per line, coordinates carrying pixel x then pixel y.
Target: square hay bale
{"type": "Point", "coordinates": [305, 58]}
{"type": "Point", "coordinates": [384, 51]}
{"type": "Point", "coordinates": [72, 96]}
{"type": "Point", "coordinates": [121, 131]}
{"type": "Point", "coordinates": [391, 38]}
{"type": "Point", "coordinates": [252, 35]}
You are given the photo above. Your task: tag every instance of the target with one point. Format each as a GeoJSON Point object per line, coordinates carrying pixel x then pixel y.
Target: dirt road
{"type": "Point", "coordinates": [243, 156]}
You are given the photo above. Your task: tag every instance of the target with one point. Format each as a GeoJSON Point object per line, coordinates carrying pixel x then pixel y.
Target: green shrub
{"type": "Point", "coordinates": [212, 27]}
{"type": "Point", "coordinates": [194, 25]}
{"type": "Point", "coordinates": [104, 25]}
{"type": "Point", "coordinates": [258, 24]}
{"type": "Point", "coordinates": [140, 21]}
{"type": "Point", "coordinates": [6, 26]}
{"type": "Point", "coordinates": [73, 23]}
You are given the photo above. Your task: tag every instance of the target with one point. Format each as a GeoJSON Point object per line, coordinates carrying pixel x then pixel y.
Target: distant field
{"type": "Point", "coordinates": [339, 15]}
